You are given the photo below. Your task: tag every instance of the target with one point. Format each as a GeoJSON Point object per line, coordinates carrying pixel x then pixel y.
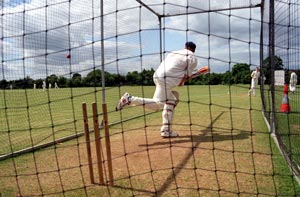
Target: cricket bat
{"type": "Point", "coordinates": [200, 71]}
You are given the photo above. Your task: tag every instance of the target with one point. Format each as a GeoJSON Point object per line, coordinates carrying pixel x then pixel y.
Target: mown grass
{"type": "Point", "coordinates": [288, 124]}
{"type": "Point", "coordinates": [224, 148]}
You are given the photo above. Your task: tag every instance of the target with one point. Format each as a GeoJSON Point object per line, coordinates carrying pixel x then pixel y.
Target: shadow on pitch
{"type": "Point", "coordinates": [205, 136]}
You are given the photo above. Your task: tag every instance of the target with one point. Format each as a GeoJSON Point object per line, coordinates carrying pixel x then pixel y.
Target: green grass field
{"type": "Point", "coordinates": [35, 116]}
{"type": "Point", "coordinates": [287, 124]}
{"type": "Point", "coordinates": [224, 148]}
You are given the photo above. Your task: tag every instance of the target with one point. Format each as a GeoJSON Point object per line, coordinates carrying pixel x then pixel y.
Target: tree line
{"type": "Point", "coordinates": [239, 74]}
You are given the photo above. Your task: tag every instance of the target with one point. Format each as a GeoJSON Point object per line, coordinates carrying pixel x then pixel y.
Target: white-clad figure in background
{"type": "Point", "coordinates": [44, 85]}
{"type": "Point", "coordinates": [293, 82]}
{"type": "Point", "coordinates": [254, 81]}
{"type": "Point", "coordinates": [34, 86]}
{"type": "Point", "coordinates": [55, 85]}
{"type": "Point", "coordinates": [172, 72]}
{"type": "Point", "coordinates": [50, 85]}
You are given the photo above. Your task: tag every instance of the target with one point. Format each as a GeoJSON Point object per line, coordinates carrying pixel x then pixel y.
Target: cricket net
{"type": "Point", "coordinates": [66, 63]}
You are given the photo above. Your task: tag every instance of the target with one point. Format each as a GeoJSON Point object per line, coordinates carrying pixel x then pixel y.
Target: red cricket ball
{"type": "Point", "coordinates": [68, 56]}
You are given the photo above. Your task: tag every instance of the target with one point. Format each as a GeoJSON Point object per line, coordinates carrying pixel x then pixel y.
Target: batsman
{"type": "Point", "coordinates": [174, 70]}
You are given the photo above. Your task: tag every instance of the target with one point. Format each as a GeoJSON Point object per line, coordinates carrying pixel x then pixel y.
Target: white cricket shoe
{"type": "Point", "coordinates": [168, 134]}
{"type": "Point", "coordinates": [125, 100]}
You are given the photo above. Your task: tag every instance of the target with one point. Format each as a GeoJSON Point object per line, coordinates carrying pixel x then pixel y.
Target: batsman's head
{"type": "Point", "coordinates": [190, 46]}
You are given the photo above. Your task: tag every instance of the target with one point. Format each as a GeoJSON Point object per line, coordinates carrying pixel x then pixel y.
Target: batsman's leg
{"type": "Point", "coordinates": [168, 114]}
{"type": "Point", "coordinates": [167, 117]}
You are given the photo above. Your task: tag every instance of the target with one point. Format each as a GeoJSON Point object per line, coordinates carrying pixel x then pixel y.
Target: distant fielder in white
{"type": "Point", "coordinates": [254, 81]}
{"type": "Point", "coordinates": [44, 85]}
{"type": "Point", "coordinates": [55, 85]}
{"type": "Point", "coordinates": [293, 82]}
{"type": "Point", "coordinates": [174, 71]}
{"type": "Point", "coordinates": [50, 85]}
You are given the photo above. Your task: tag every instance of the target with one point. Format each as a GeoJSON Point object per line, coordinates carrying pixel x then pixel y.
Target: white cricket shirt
{"type": "Point", "coordinates": [175, 66]}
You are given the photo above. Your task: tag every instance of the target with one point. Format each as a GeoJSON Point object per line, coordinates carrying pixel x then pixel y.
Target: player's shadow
{"type": "Point", "coordinates": [206, 136]}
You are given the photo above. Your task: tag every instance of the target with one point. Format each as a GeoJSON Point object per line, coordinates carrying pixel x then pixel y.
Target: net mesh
{"type": "Point", "coordinates": [57, 56]}
{"type": "Point", "coordinates": [280, 34]}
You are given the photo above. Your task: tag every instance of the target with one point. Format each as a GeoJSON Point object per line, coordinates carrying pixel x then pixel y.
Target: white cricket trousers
{"type": "Point", "coordinates": [163, 98]}
{"type": "Point", "coordinates": [254, 82]}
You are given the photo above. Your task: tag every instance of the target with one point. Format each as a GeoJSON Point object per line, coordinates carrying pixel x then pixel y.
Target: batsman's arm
{"type": "Point", "coordinates": [200, 71]}
{"type": "Point", "coordinates": [183, 80]}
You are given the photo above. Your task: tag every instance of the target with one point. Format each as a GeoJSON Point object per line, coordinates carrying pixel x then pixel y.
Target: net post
{"type": "Point", "coordinates": [107, 142]}
{"type": "Point", "coordinates": [88, 142]}
{"type": "Point", "coordinates": [98, 143]}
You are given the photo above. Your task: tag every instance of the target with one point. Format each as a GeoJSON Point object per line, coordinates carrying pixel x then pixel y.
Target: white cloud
{"type": "Point", "coordinates": [43, 35]}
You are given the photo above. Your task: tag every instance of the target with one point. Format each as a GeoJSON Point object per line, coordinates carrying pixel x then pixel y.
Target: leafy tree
{"type": "Point", "coordinates": [119, 80]}
{"type": "Point", "coordinates": [93, 78]}
{"type": "Point", "coordinates": [76, 80]}
{"type": "Point", "coordinates": [26, 82]}
{"type": "Point", "coordinates": [134, 78]}
{"type": "Point", "coordinates": [39, 83]}
{"type": "Point", "coordinates": [278, 65]}
{"type": "Point", "coordinates": [241, 73]}
{"type": "Point", "coordinates": [52, 79]}
{"type": "Point", "coordinates": [76, 76]}
{"type": "Point", "coordinates": [3, 84]}
{"type": "Point", "coordinates": [214, 79]}
{"type": "Point", "coordinates": [69, 83]}
{"type": "Point", "coordinates": [147, 76]}
{"type": "Point", "coordinates": [226, 78]}
{"type": "Point", "coordinates": [200, 80]}
{"type": "Point", "coordinates": [62, 81]}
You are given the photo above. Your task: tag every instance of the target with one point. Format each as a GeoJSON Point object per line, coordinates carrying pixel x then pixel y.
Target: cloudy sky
{"type": "Point", "coordinates": [36, 37]}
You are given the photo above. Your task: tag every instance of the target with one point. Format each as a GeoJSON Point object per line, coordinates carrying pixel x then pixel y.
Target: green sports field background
{"type": "Point", "coordinates": [30, 117]}
{"type": "Point", "coordinates": [225, 117]}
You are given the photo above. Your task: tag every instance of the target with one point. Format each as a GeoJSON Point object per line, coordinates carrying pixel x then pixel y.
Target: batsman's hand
{"type": "Point", "coordinates": [183, 80]}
